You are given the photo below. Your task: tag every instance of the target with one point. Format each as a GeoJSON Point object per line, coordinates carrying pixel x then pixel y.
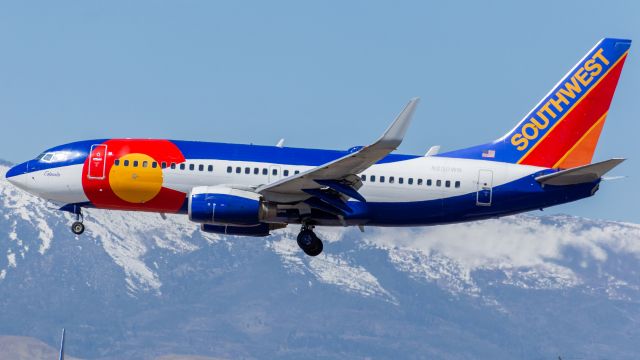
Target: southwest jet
{"type": "Point", "coordinates": [250, 190]}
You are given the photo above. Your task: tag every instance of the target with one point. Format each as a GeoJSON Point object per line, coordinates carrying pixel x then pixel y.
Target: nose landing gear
{"type": "Point", "coordinates": [78, 227]}
{"type": "Point", "coordinates": [309, 242]}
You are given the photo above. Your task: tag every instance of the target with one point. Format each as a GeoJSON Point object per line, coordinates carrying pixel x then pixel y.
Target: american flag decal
{"type": "Point", "coordinates": [489, 154]}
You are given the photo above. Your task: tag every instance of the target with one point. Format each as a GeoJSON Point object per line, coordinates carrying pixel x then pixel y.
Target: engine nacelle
{"type": "Point", "coordinates": [226, 206]}
{"type": "Point", "coordinates": [258, 230]}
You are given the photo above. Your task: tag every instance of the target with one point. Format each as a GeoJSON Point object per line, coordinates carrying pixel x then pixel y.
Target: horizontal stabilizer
{"type": "Point", "coordinates": [581, 174]}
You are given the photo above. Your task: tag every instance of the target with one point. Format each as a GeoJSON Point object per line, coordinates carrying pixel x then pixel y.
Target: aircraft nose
{"type": "Point", "coordinates": [17, 174]}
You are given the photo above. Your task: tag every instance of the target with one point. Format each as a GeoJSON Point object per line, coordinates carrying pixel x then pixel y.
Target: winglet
{"type": "Point", "coordinates": [580, 174]}
{"type": "Point", "coordinates": [392, 137]}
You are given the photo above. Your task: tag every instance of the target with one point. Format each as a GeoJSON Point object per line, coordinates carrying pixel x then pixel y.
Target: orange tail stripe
{"type": "Point", "coordinates": [582, 152]}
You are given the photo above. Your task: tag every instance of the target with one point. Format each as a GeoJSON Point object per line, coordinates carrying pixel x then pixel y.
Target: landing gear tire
{"type": "Point", "coordinates": [77, 228]}
{"type": "Point", "coordinates": [309, 242]}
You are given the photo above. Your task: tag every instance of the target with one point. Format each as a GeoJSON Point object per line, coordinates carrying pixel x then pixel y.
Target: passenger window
{"type": "Point", "coordinates": [247, 170]}
{"type": "Point", "coordinates": [182, 166]}
{"type": "Point", "coordinates": [372, 178]}
{"type": "Point", "coordinates": [265, 171]}
{"type": "Point", "coordinates": [363, 177]}
{"type": "Point", "coordinates": [229, 169]}
{"type": "Point", "coordinates": [438, 182]}
{"type": "Point", "coordinates": [381, 179]}
{"type": "Point", "coordinates": [410, 181]}
{"type": "Point", "coordinates": [391, 180]}
{"type": "Point", "coordinates": [274, 172]}
{"type": "Point", "coordinates": [297, 172]}
{"type": "Point", "coordinates": [173, 166]}
{"type": "Point", "coordinates": [286, 173]}
{"type": "Point", "coordinates": [145, 164]}
{"type": "Point", "coordinates": [447, 183]}
{"type": "Point", "coordinates": [400, 180]}
{"type": "Point", "coordinates": [256, 171]}
{"type": "Point", "coordinates": [419, 181]}
{"type": "Point", "coordinates": [117, 162]}
{"type": "Point", "coordinates": [210, 168]}
{"type": "Point", "coordinates": [238, 170]}
{"type": "Point", "coordinates": [135, 163]}
{"type": "Point", "coordinates": [429, 182]}
{"type": "Point", "coordinates": [164, 165]}
{"type": "Point", "coordinates": [126, 163]}
{"type": "Point", "coordinates": [201, 167]}
{"type": "Point", "coordinates": [192, 167]}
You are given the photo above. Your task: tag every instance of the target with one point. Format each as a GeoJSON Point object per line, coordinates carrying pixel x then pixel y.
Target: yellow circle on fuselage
{"type": "Point", "coordinates": [136, 184]}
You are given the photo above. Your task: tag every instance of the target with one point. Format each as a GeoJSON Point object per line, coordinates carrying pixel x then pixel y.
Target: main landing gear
{"type": "Point", "coordinates": [309, 242]}
{"type": "Point", "coordinates": [78, 227]}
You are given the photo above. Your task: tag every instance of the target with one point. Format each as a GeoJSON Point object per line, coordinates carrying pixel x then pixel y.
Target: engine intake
{"type": "Point", "coordinates": [226, 206]}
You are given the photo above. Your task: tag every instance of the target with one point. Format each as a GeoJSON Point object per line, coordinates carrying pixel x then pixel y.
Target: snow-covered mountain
{"type": "Point", "coordinates": [135, 286]}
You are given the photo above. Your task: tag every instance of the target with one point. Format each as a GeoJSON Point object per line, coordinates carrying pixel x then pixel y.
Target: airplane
{"type": "Point", "coordinates": [251, 190]}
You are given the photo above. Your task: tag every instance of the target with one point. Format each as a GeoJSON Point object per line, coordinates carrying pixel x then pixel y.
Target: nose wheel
{"type": "Point", "coordinates": [78, 227]}
{"type": "Point", "coordinates": [309, 242]}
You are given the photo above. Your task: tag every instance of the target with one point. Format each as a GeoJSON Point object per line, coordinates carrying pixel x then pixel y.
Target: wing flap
{"type": "Point", "coordinates": [580, 174]}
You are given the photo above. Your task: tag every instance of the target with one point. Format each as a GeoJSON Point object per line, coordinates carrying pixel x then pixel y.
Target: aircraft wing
{"type": "Point", "coordinates": [338, 178]}
{"type": "Point", "coordinates": [580, 174]}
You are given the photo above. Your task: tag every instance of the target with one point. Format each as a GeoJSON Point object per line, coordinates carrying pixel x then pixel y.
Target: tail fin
{"type": "Point", "coordinates": [562, 130]}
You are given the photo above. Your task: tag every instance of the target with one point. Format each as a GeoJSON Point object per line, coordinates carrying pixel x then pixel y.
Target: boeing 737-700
{"type": "Point", "coordinates": [250, 190]}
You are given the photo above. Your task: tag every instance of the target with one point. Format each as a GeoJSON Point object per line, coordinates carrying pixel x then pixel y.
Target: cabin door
{"type": "Point", "coordinates": [485, 188]}
{"type": "Point", "coordinates": [97, 162]}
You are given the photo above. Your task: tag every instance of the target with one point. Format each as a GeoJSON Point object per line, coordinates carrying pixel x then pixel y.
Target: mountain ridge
{"type": "Point", "coordinates": [136, 286]}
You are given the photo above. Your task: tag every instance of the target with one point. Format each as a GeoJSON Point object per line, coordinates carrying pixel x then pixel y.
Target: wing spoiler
{"type": "Point", "coordinates": [580, 174]}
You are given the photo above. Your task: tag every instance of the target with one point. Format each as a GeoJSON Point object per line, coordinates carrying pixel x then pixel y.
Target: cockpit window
{"type": "Point", "coordinates": [58, 156]}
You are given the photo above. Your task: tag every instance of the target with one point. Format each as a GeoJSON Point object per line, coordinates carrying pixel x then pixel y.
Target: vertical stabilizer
{"type": "Point", "coordinates": [563, 129]}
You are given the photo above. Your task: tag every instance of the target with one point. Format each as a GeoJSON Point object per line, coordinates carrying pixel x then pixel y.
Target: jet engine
{"type": "Point", "coordinates": [221, 205]}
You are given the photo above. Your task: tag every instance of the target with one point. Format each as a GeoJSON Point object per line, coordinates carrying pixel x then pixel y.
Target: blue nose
{"type": "Point", "coordinates": [19, 169]}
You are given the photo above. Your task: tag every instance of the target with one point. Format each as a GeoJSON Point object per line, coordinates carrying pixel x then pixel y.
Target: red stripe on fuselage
{"type": "Point", "coordinates": [575, 123]}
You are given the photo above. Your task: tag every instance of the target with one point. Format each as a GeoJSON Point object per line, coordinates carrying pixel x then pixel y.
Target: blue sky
{"type": "Point", "coordinates": [326, 74]}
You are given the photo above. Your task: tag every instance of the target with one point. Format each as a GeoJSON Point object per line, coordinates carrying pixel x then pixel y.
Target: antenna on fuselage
{"type": "Point", "coordinates": [280, 143]}
{"type": "Point", "coordinates": [434, 150]}
{"type": "Point", "coordinates": [62, 346]}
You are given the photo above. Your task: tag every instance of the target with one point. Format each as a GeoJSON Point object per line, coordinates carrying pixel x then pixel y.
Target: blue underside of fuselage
{"type": "Point", "coordinates": [518, 196]}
